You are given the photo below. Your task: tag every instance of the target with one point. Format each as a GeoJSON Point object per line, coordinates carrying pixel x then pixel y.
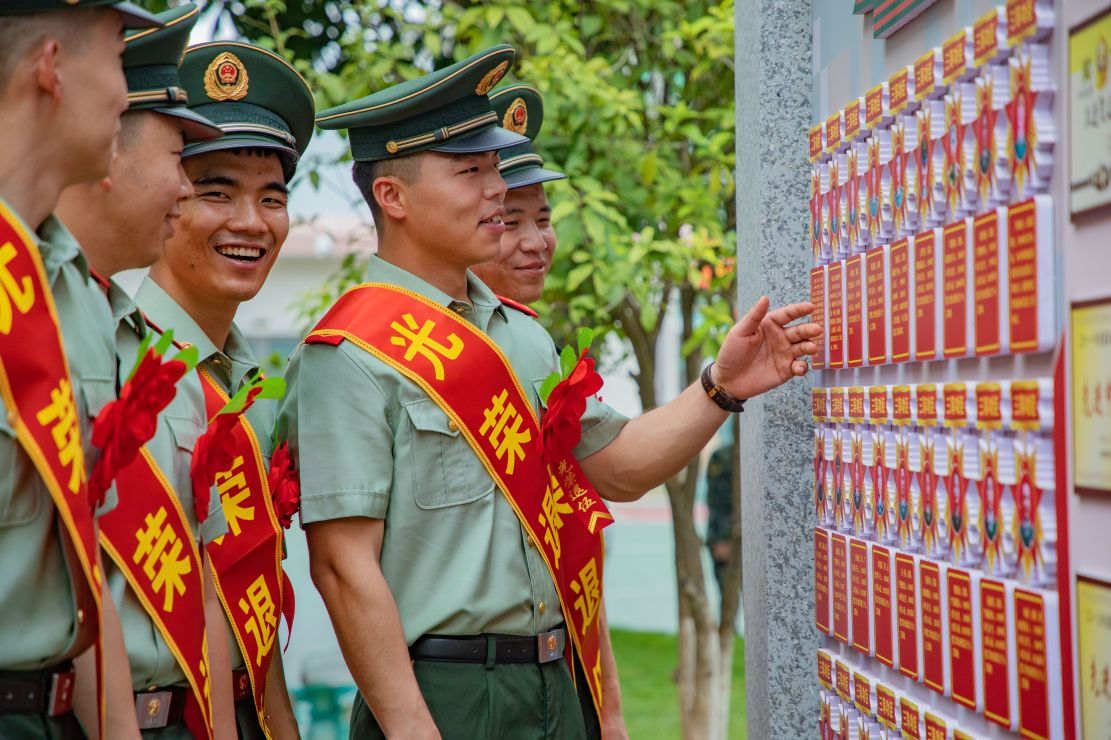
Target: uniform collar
{"type": "Point", "coordinates": [485, 302]}
{"type": "Point", "coordinates": [230, 365]}
{"type": "Point", "coordinates": [57, 246]}
{"type": "Point", "coordinates": [124, 309]}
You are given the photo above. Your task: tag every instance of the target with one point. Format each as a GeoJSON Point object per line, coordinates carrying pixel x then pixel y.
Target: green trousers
{"type": "Point", "coordinates": [40, 727]}
{"type": "Point", "coordinates": [470, 701]}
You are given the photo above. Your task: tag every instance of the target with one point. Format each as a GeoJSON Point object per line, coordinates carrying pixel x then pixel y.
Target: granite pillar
{"type": "Point", "coordinates": [773, 73]}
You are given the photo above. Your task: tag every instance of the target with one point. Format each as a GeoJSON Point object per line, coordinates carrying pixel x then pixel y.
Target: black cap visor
{"type": "Point", "coordinates": [526, 176]}
{"type": "Point", "coordinates": [487, 140]}
{"type": "Point", "coordinates": [196, 127]}
{"type": "Point", "coordinates": [288, 154]}
{"type": "Point", "coordinates": [136, 17]}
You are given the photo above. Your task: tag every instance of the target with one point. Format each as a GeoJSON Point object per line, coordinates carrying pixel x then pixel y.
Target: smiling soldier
{"type": "Point", "coordinates": [227, 237]}
{"type": "Point", "coordinates": [456, 566]}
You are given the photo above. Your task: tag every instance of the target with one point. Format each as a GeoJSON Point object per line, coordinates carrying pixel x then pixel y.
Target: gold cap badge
{"type": "Point", "coordinates": [226, 78]}
{"type": "Point", "coordinates": [493, 77]}
{"type": "Point", "coordinates": [516, 116]}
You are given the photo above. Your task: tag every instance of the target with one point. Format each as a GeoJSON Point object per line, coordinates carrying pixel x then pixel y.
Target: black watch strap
{"type": "Point", "coordinates": [719, 395]}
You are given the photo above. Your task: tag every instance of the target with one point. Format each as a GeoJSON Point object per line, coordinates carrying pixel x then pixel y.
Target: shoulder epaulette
{"type": "Point", "coordinates": [519, 306]}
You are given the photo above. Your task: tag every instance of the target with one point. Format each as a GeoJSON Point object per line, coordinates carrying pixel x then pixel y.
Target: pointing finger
{"type": "Point", "coordinates": [786, 314]}
{"type": "Point", "coordinates": [750, 322]}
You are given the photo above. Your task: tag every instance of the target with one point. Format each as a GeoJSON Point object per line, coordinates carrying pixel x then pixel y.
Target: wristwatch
{"type": "Point", "coordinates": [719, 395]}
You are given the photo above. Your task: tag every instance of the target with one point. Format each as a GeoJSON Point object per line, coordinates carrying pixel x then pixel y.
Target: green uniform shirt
{"type": "Point", "coordinates": [37, 609]}
{"type": "Point", "coordinates": [370, 443]}
{"type": "Point", "coordinates": [179, 426]}
{"type": "Point", "coordinates": [231, 367]}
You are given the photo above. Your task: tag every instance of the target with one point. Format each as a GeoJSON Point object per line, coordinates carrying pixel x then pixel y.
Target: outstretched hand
{"type": "Point", "coordinates": [762, 352]}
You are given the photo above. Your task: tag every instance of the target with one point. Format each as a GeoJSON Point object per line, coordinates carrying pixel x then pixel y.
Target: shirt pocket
{"type": "Point", "coordinates": [184, 432]}
{"type": "Point", "coordinates": [96, 393]}
{"type": "Point", "coordinates": [22, 494]}
{"type": "Point", "coordinates": [445, 469]}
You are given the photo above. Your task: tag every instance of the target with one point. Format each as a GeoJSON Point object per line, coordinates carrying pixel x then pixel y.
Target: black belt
{"type": "Point", "coordinates": [542, 648]}
{"type": "Point", "coordinates": [162, 707]}
{"type": "Point", "coordinates": [48, 691]}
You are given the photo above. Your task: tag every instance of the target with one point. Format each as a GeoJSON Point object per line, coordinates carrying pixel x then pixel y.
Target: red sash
{"type": "Point", "coordinates": [149, 539]}
{"type": "Point", "coordinates": [35, 385]}
{"type": "Point", "coordinates": [472, 382]}
{"type": "Point", "coordinates": [247, 561]}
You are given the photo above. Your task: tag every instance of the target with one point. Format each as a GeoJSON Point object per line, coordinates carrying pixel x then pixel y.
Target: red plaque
{"type": "Point", "coordinates": [985, 282]}
{"type": "Point", "coordinates": [858, 577]}
{"type": "Point", "coordinates": [840, 588]}
{"type": "Point", "coordinates": [854, 316]}
{"type": "Point", "coordinates": [897, 91]}
{"type": "Point", "coordinates": [997, 675]}
{"type": "Point", "coordinates": [844, 681]}
{"type": "Point", "coordinates": [852, 119]}
{"type": "Point", "coordinates": [924, 81]}
{"type": "Point", "coordinates": [815, 143]}
{"type": "Point", "coordinates": [873, 106]}
{"type": "Point", "coordinates": [1022, 264]}
{"type": "Point", "coordinates": [818, 298]}
{"type": "Point", "coordinates": [953, 58]}
{"type": "Point", "coordinates": [835, 346]}
{"type": "Point", "coordinates": [825, 669]}
{"type": "Point", "coordinates": [1021, 20]}
{"type": "Point", "coordinates": [906, 611]}
{"type": "Point", "coordinates": [886, 709]}
{"type": "Point", "coordinates": [935, 728]}
{"type": "Point", "coordinates": [877, 307]}
{"type": "Point", "coordinates": [1033, 682]}
{"type": "Point", "coordinates": [881, 605]}
{"type": "Point", "coordinates": [900, 301]}
{"type": "Point", "coordinates": [862, 693]}
{"type": "Point", "coordinates": [925, 296]}
{"type": "Point", "coordinates": [934, 656]}
{"type": "Point", "coordinates": [911, 717]}
{"type": "Point", "coordinates": [833, 131]}
{"type": "Point", "coordinates": [955, 289]}
{"type": "Point", "coordinates": [821, 580]}
{"type": "Point", "coordinates": [985, 38]}
{"type": "Point", "coordinates": [962, 657]}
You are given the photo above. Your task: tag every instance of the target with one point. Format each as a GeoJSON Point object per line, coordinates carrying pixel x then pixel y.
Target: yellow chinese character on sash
{"type": "Point", "coordinates": [202, 668]}
{"type": "Point", "coordinates": [263, 623]}
{"type": "Point", "coordinates": [504, 426]}
{"type": "Point", "coordinates": [164, 564]}
{"type": "Point", "coordinates": [233, 492]}
{"type": "Point", "coordinates": [61, 416]}
{"type": "Point", "coordinates": [590, 590]}
{"type": "Point", "coordinates": [420, 342]}
{"type": "Point", "coordinates": [554, 507]}
{"type": "Point", "coordinates": [22, 294]}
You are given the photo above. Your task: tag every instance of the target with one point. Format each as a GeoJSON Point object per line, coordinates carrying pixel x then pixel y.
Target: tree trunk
{"type": "Point", "coordinates": [731, 597]}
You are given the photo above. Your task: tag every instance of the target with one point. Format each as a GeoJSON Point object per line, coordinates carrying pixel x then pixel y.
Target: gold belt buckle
{"type": "Point", "coordinates": [549, 646]}
{"type": "Point", "coordinates": [152, 709]}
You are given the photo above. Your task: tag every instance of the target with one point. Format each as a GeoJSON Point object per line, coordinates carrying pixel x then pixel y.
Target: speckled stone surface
{"type": "Point", "coordinates": [773, 52]}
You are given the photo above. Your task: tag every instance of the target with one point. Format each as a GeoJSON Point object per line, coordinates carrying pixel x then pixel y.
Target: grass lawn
{"type": "Point", "coordinates": [650, 698]}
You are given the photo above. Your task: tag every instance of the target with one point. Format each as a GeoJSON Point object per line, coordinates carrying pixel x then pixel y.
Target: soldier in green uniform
{"type": "Point", "coordinates": [518, 274]}
{"type": "Point", "coordinates": [62, 91]}
{"type": "Point", "coordinates": [435, 592]}
{"type": "Point", "coordinates": [121, 223]}
{"type": "Point", "coordinates": [229, 233]}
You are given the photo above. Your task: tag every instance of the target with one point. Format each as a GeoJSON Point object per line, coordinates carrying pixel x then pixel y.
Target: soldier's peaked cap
{"type": "Point", "coordinates": [133, 15]}
{"type": "Point", "coordinates": [520, 109]}
{"type": "Point", "coordinates": [256, 98]}
{"type": "Point", "coordinates": [150, 64]}
{"type": "Point", "coordinates": [445, 111]}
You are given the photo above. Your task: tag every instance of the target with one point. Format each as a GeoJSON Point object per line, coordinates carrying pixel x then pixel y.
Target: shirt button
{"type": "Point", "coordinates": [452, 425]}
{"type": "Point", "coordinates": [542, 607]}
{"type": "Point", "coordinates": [80, 616]}
{"type": "Point", "coordinates": [531, 541]}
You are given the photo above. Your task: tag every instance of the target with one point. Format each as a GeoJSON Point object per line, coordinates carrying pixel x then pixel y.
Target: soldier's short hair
{"type": "Point", "coordinates": [21, 33]}
{"type": "Point", "coordinates": [405, 168]}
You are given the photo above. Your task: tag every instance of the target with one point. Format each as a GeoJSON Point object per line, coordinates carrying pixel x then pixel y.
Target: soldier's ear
{"type": "Point", "coordinates": [390, 192]}
{"type": "Point", "coordinates": [45, 58]}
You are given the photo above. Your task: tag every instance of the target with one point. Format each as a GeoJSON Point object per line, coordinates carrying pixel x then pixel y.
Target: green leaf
{"type": "Point", "coordinates": [585, 337]}
{"type": "Point", "coordinates": [567, 360]}
{"type": "Point", "coordinates": [189, 356]}
{"type": "Point", "coordinates": [578, 275]}
{"type": "Point", "coordinates": [546, 387]}
{"type": "Point", "coordinates": [520, 19]}
{"type": "Point", "coordinates": [272, 388]}
{"type": "Point", "coordinates": [648, 167]}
